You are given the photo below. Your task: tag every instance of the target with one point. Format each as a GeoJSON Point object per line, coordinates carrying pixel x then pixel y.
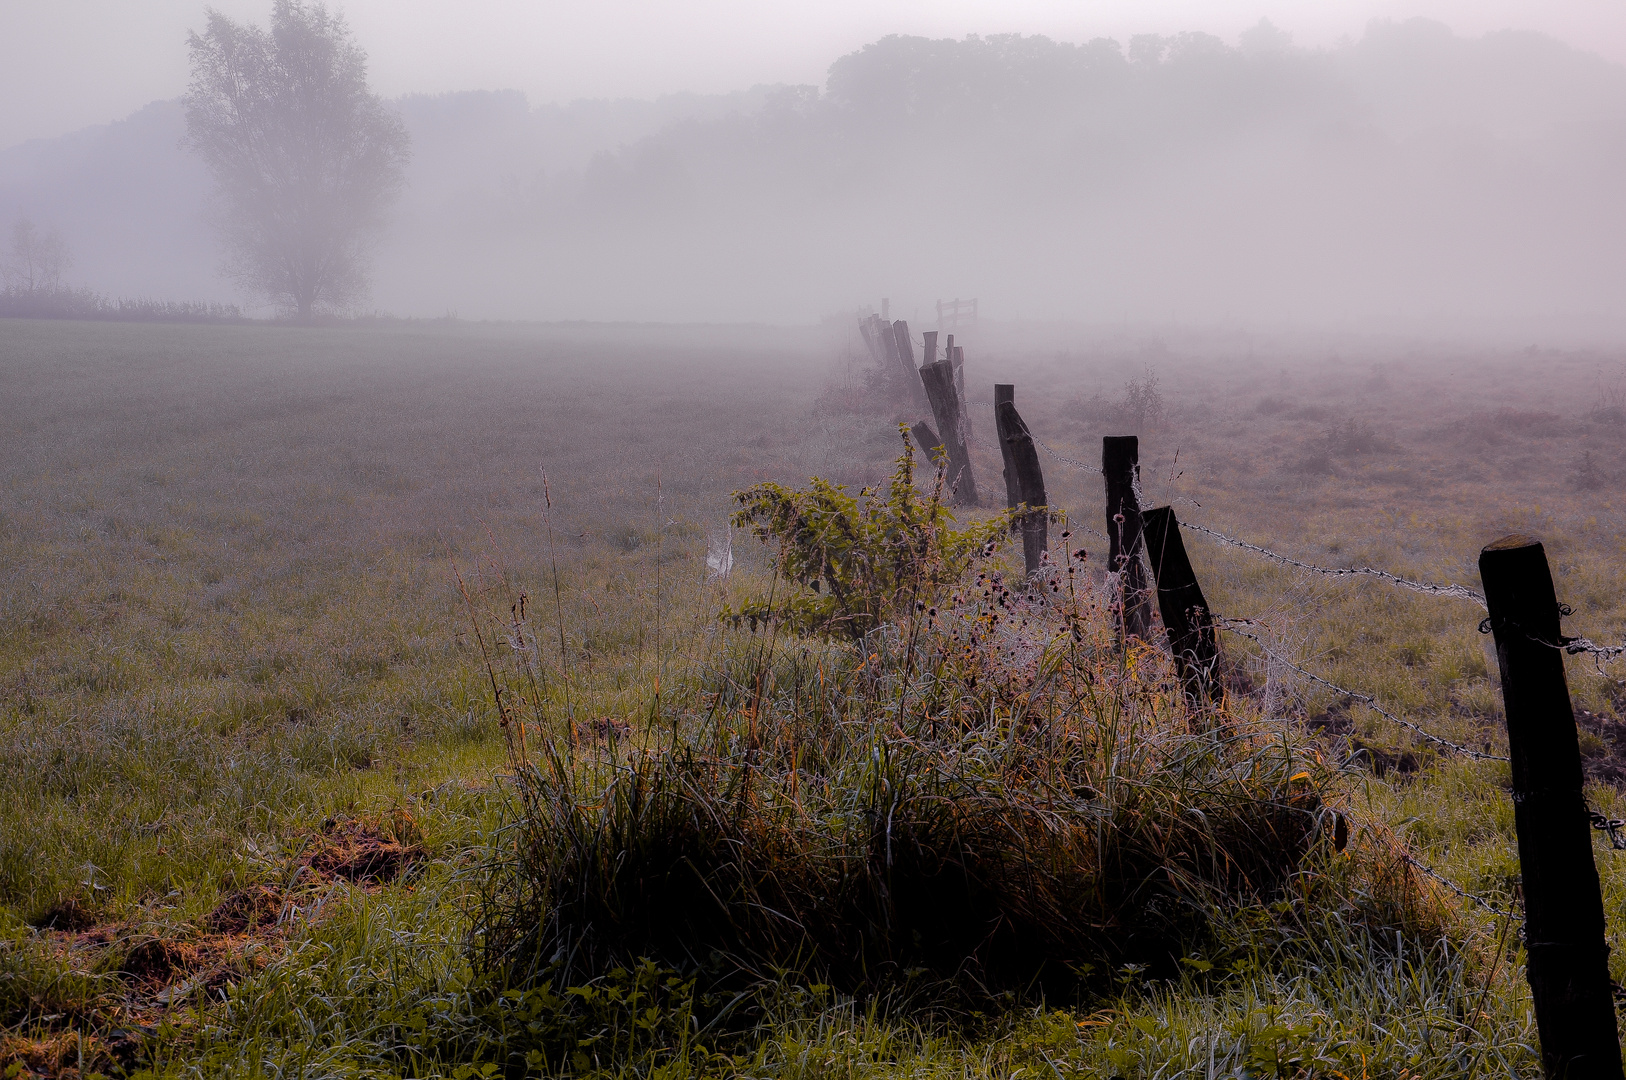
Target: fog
{"type": "Point", "coordinates": [1413, 180]}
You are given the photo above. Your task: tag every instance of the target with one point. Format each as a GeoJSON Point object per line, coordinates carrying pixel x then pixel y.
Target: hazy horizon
{"type": "Point", "coordinates": [72, 65]}
{"type": "Point", "coordinates": [1413, 180]}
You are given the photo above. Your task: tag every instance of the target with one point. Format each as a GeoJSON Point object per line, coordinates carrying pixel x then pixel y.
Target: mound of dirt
{"type": "Point", "coordinates": [58, 1054]}
{"type": "Point", "coordinates": [358, 851]}
{"type": "Point", "coordinates": [67, 915]}
{"type": "Point", "coordinates": [244, 909]}
{"type": "Point", "coordinates": [157, 960]}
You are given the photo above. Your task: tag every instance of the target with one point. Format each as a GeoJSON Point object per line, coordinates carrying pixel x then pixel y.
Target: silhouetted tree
{"type": "Point", "coordinates": [35, 261]}
{"type": "Point", "coordinates": [306, 158]}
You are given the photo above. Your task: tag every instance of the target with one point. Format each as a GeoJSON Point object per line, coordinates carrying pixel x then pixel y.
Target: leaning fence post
{"type": "Point", "coordinates": [1004, 392]}
{"type": "Point", "coordinates": [869, 339]}
{"type": "Point", "coordinates": [888, 342]}
{"type": "Point", "coordinates": [1180, 601]}
{"type": "Point", "coordinates": [1568, 961]}
{"type": "Point", "coordinates": [938, 380]}
{"type": "Point", "coordinates": [1120, 465]}
{"type": "Point", "coordinates": [1024, 480]}
{"type": "Point", "coordinates": [927, 440]}
{"type": "Point", "coordinates": [905, 346]}
{"type": "Point", "coordinates": [906, 356]}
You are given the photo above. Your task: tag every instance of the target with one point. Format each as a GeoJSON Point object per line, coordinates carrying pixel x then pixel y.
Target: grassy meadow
{"type": "Point", "coordinates": [261, 813]}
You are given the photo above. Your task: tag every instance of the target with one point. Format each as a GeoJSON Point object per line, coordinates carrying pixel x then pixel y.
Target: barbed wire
{"type": "Point", "coordinates": [1601, 654]}
{"type": "Point", "coordinates": [1574, 646]}
{"type": "Point", "coordinates": [1097, 533]}
{"type": "Point", "coordinates": [1612, 826]}
{"type": "Point", "coordinates": [1235, 627]}
{"type": "Point", "coordinates": [1036, 442]}
{"type": "Point", "coordinates": [1429, 587]}
{"type": "Point", "coordinates": [992, 449]}
{"type": "Point", "coordinates": [1506, 913]}
{"type": "Point", "coordinates": [1065, 460]}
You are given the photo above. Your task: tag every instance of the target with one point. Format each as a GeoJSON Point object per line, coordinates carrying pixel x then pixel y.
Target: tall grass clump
{"type": "Point", "coordinates": [981, 793]}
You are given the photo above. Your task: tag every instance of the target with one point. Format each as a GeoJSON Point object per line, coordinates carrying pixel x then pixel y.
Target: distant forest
{"type": "Point", "coordinates": [1409, 179]}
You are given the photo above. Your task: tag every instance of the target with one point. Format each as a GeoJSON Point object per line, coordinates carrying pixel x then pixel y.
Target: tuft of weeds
{"type": "Point", "coordinates": [987, 800]}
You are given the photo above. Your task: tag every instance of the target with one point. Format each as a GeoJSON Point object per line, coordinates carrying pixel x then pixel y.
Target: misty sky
{"type": "Point", "coordinates": [66, 64]}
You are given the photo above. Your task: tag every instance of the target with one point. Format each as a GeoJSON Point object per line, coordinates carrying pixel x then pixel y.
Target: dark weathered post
{"type": "Point", "coordinates": [1180, 601]}
{"type": "Point", "coordinates": [928, 355]}
{"type": "Point", "coordinates": [906, 358]}
{"type": "Point", "coordinates": [1568, 965]}
{"type": "Point", "coordinates": [938, 380]}
{"type": "Point", "coordinates": [889, 343]}
{"type": "Point", "coordinates": [1004, 392]}
{"type": "Point", "coordinates": [1120, 464]}
{"type": "Point", "coordinates": [906, 345]}
{"type": "Point", "coordinates": [927, 440]}
{"type": "Point", "coordinates": [869, 339]}
{"type": "Point", "coordinates": [1024, 481]}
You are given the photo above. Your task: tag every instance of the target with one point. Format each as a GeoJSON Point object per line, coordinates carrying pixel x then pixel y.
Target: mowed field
{"type": "Point", "coordinates": [250, 767]}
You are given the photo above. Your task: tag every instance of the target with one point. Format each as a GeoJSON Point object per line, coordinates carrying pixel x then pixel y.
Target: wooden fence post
{"type": "Point", "coordinates": [938, 380]}
{"type": "Point", "coordinates": [1568, 961]}
{"type": "Point", "coordinates": [1120, 465]}
{"type": "Point", "coordinates": [927, 440]}
{"type": "Point", "coordinates": [906, 347]}
{"type": "Point", "coordinates": [906, 355]}
{"type": "Point", "coordinates": [888, 342]}
{"type": "Point", "coordinates": [929, 353]}
{"type": "Point", "coordinates": [869, 338]}
{"type": "Point", "coordinates": [1180, 601]}
{"type": "Point", "coordinates": [1024, 480]}
{"type": "Point", "coordinates": [1004, 392]}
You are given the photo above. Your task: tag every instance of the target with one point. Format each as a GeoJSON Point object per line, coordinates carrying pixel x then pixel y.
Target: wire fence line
{"type": "Point", "coordinates": [1615, 827]}
{"type": "Point", "coordinates": [1506, 913]}
{"type": "Point", "coordinates": [1431, 588]}
{"type": "Point", "coordinates": [1236, 626]}
{"type": "Point", "coordinates": [1064, 460]}
{"type": "Point", "coordinates": [1574, 646]}
{"type": "Point", "coordinates": [1601, 654]}
{"type": "Point", "coordinates": [1369, 702]}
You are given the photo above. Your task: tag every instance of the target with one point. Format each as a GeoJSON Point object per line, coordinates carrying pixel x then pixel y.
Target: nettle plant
{"type": "Point", "coordinates": [856, 562]}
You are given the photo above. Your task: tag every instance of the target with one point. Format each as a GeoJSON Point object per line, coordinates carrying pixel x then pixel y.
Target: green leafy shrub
{"type": "Point", "coordinates": [857, 561]}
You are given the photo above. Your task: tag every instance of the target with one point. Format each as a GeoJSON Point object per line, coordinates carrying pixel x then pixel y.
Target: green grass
{"type": "Point", "coordinates": [229, 626]}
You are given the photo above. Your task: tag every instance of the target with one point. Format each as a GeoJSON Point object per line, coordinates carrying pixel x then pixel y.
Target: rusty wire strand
{"type": "Point", "coordinates": [1431, 588]}
{"type": "Point", "coordinates": [1574, 646]}
{"type": "Point", "coordinates": [1506, 913]}
{"type": "Point", "coordinates": [1235, 627]}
